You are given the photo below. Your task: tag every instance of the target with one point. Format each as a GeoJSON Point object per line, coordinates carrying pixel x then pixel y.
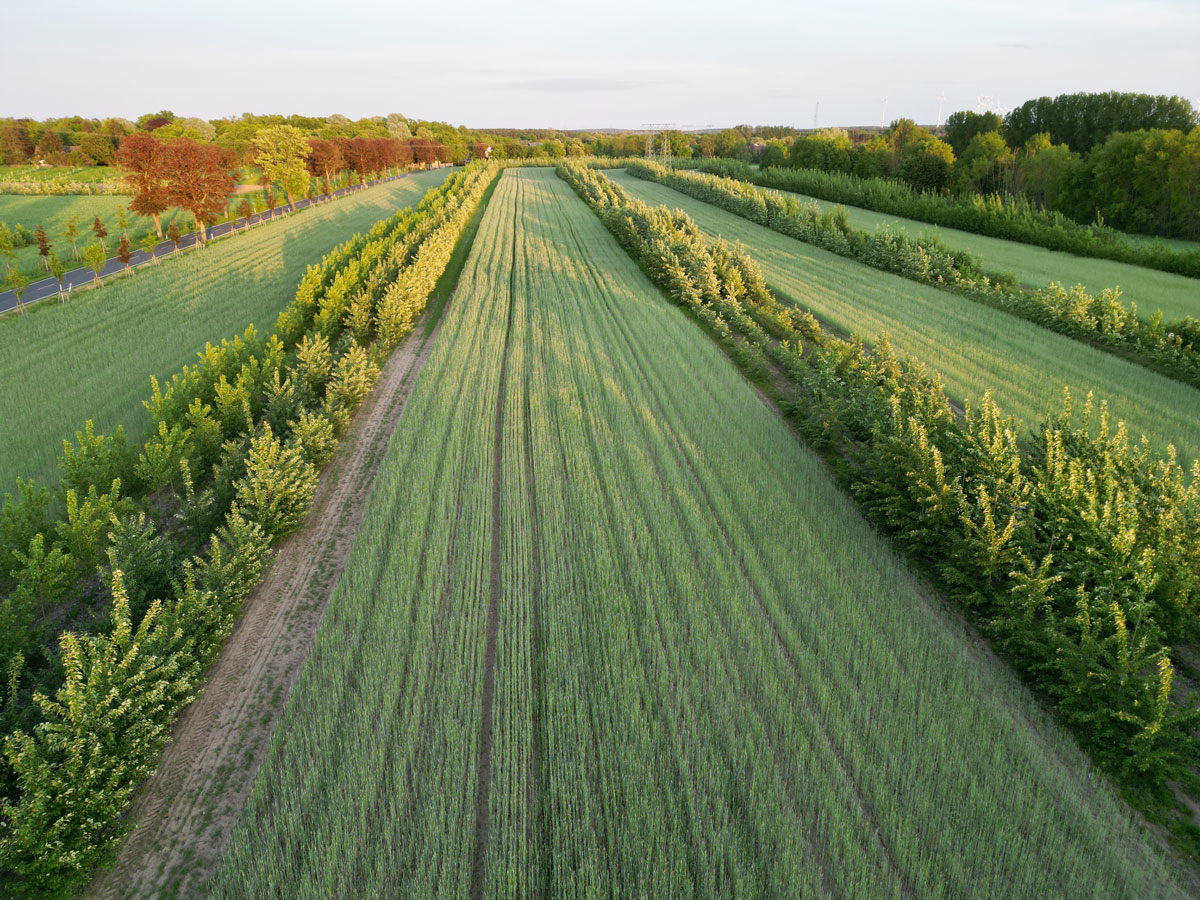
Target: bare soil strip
{"type": "Point", "coordinates": [185, 812]}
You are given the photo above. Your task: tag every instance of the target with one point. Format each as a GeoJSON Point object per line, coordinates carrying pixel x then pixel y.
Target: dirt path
{"type": "Point", "coordinates": [186, 811]}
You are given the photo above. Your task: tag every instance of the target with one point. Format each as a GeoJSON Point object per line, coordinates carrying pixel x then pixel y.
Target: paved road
{"type": "Point", "coordinates": [48, 287]}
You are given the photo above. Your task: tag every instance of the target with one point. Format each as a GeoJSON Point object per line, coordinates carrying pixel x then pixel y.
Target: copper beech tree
{"type": "Point", "coordinates": [325, 160]}
{"type": "Point", "coordinates": [141, 157]}
{"type": "Point", "coordinates": [199, 180]}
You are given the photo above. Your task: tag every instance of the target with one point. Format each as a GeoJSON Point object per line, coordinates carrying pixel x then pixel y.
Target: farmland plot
{"type": "Point", "coordinates": [608, 630]}
{"type": "Point", "coordinates": [1176, 295]}
{"type": "Point", "coordinates": [93, 357]}
{"type": "Point", "coordinates": [974, 347]}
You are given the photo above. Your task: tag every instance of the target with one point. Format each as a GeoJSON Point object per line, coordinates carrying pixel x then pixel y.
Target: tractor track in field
{"type": "Point", "coordinates": [484, 788]}
{"type": "Point", "coordinates": [183, 816]}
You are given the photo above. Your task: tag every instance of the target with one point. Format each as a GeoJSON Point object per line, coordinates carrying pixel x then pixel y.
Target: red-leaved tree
{"type": "Point", "coordinates": [199, 179]}
{"type": "Point", "coordinates": [325, 160]}
{"type": "Point", "coordinates": [358, 154]}
{"type": "Point", "coordinates": [143, 161]}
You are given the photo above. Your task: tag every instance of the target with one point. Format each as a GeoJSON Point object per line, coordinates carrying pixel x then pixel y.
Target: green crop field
{"type": "Point", "coordinates": [974, 347]}
{"type": "Point", "coordinates": [1176, 295]}
{"type": "Point", "coordinates": [92, 358]}
{"type": "Point", "coordinates": [52, 213]}
{"type": "Point", "coordinates": [609, 630]}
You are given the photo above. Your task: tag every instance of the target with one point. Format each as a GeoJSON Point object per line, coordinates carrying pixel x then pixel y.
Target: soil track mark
{"type": "Point", "coordinates": [483, 797]}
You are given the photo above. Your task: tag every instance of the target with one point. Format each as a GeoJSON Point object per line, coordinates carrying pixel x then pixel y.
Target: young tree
{"type": "Point", "coordinates": [123, 221]}
{"type": "Point", "coordinates": [7, 244]}
{"type": "Point", "coordinates": [199, 178]}
{"type": "Point", "coordinates": [140, 156]}
{"type": "Point", "coordinates": [94, 257]}
{"type": "Point", "coordinates": [72, 234]}
{"type": "Point", "coordinates": [100, 231]}
{"type": "Point", "coordinates": [282, 153]}
{"type": "Point", "coordinates": [43, 244]}
{"type": "Point", "coordinates": [245, 210]}
{"type": "Point", "coordinates": [125, 253]}
{"type": "Point", "coordinates": [58, 269]}
{"type": "Point", "coordinates": [173, 237]}
{"type": "Point", "coordinates": [17, 282]}
{"type": "Point", "coordinates": [149, 243]}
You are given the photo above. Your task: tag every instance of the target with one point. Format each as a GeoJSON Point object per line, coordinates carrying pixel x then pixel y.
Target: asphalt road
{"type": "Point", "coordinates": [83, 276]}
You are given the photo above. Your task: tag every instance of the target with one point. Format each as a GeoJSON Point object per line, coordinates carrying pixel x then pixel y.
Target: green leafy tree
{"type": "Point", "coordinates": [1046, 169]}
{"type": "Point", "coordinates": [928, 165]}
{"type": "Point", "coordinates": [17, 282]}
{"type": "Point", "coordinates": [1083, 121]}
{"type": "Point", "coordinates": [95, 257]}
{"type": "Point", "coordinates": [774, 154]}
{"type": "Point", "coordinates": [965, 124]}
{"type": "Point", "coordinates": [986, 165]}
{"type": "Point", "coordinates": [7, 246]}
{"type": "Point", "coordinates": [282, 152]}
{"type": "Point", "coordinates": [279, 484]}
{"type": "Point", "coordinates": [123, 221]}
{"type": "Point", "coordinates": [58, 269]}
{"type": "Point", "coordinates": [148, 244]}
{"type": "Point", "coordinates": [71, 231]}
{"type": "Point", "coordinates": [733, 143]}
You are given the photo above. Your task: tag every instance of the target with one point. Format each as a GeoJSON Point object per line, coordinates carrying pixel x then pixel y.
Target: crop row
{"type": "Point", "coordinates": [1073, 548]}
{"type": "Point", "coordinates": [179, 530]}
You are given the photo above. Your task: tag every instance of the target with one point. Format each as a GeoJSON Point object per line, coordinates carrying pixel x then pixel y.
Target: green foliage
{"type": "Point", "coordinates": [1083, 121]}
{"type": "Point", "coordinates": [281, 152]}
{"type": "Point", "coordinates": [279, 484]}
{"type": "Point", "coordinates": [963, 126]}
{"type": "Point", "coordinates": [80, 766]}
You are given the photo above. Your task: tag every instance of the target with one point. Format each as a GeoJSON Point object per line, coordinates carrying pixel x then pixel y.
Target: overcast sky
{"type": "Point", "coordinates": [538, 63]}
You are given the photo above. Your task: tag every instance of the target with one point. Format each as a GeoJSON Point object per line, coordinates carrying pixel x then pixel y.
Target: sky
{"type": "Point", "coordinates": [612, 64]}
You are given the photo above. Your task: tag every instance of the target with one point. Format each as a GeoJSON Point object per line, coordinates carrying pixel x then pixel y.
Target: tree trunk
{"type": "Point", "coordinates": [291, 202]}
{"type": "Point", "coordinates": [157, 225]}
